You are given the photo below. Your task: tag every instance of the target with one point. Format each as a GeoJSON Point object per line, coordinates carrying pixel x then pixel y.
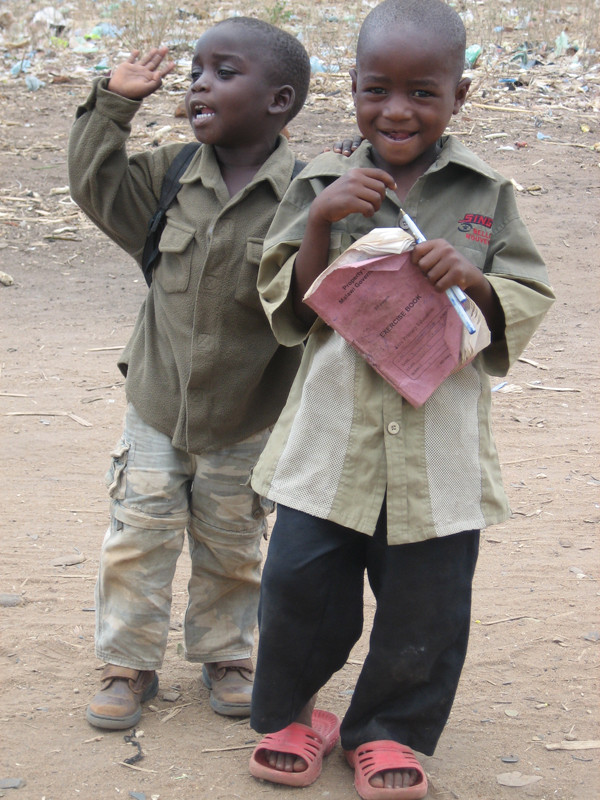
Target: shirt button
{"type": "Point", "coordinates": [393, 428]}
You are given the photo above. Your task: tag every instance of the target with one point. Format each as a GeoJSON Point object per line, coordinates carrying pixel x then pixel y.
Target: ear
{"type": "Point", "coordinates": [283, 100]}
{"type": "Point", "coordinates": [460, 94]}
{"type": "Point", "coordinates": [354, 76]}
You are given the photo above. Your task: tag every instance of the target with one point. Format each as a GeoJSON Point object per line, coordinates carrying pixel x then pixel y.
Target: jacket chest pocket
{"type": "Point", "coordinates": [177, 248]}
{"type": "Point", "coordinates": [245, 290]}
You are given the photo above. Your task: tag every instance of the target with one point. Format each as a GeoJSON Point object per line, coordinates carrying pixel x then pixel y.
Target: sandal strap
{"type": "Point", "coordinates": [386, 755]}
{"type": "Point", "coordinates": [297, 740]}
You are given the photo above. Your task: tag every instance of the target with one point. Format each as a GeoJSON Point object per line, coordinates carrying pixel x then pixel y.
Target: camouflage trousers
{"type": "Point", "coordinates": [159, 493]}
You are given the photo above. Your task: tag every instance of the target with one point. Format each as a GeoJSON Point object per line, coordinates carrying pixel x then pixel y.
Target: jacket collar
{"type": "Point", "coordinates": [276, 170]}
{"type": "Point", "coordinates": [452, 152]}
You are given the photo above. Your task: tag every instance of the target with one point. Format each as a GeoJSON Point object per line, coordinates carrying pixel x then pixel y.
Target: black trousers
{"type": "Point", "coordinates": [311, 615]}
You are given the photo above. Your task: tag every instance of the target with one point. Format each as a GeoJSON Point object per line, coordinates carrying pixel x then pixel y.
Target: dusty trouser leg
{"type": "Point", "coordinates": [149, 486]}
{"type": "Point", "coordinates": [311, 613]}
{"type": "Point", "coordinates": [418, 640]}
{"type": "Point", "coordinates": [227, 524]}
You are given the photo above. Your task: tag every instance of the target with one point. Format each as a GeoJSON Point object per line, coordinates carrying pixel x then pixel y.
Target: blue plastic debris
{"type": "Point", "coordinates": [33, 83]}
{"type": "Point", "coordinates": [316, 65]}
{"type": "Point", "coordinates": [21, 66]}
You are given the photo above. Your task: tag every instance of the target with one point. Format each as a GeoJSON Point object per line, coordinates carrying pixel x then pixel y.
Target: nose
{"type": "Point", "coordinates": [397, 107]}
{"type": "Point", "coordinates": [200, 83]}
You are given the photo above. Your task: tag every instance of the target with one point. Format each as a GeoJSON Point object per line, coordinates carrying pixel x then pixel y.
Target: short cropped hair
{"type": "Point", "coordinates": [286, 60]}
{"type": "Point", "coordinates": [431, 14]}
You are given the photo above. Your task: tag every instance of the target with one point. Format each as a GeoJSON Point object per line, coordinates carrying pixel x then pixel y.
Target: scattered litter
{"type": "Point", "coordinates": [517, 779]}
{"type": "Point", "coordinates": [316, 65]}
{"type": "Point", "coordinates": [472, 54]}
{"type": "Point", "coordinates": [33, 84]}
{"type": "Point", "coordinates": [69, 561]}
{"type": "Point", "coordinates": [132, 739]}
{"type": "Point", "coordinates": [531, 362]}
{"type": "Point", "coordinates": [566, 745]}
{"type": "Point", "coordinates": [552, 388]}
{"type": "Point", "coordinates": [577, 571]}
{"type": "Point", "coordinates": [170, 696]}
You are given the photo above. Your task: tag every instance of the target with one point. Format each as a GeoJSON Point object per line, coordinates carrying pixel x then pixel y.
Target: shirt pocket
{"type": "Point", "coordinates": [246, 292]}
{"type": "Point", "coordinates": [177, 247]}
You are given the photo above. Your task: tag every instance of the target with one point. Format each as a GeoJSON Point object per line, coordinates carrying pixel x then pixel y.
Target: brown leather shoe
{"type": "Point", "coordinates": [230, 684]}
{"type": "Point", "coordinates": [118, 704]}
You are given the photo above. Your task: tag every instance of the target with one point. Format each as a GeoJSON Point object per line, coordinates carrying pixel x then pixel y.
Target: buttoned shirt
{"type": "Point", "coordinates": [202, 363]}
{"type": "Point", "coordinates": [346, 440]}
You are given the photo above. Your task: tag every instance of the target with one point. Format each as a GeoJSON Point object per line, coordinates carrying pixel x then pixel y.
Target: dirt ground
{"type": "Point", "coordinates": [528, 699]}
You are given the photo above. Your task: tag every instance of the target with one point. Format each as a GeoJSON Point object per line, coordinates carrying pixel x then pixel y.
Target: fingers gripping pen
{"type": "Point", "coordinates": [455, 294]}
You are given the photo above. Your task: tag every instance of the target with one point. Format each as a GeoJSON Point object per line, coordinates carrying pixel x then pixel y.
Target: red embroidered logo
{"type": "Point", "coordinates": [476, 228]}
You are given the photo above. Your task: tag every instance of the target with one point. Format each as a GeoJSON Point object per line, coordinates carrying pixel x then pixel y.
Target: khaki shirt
{"type": "Point", "coordinates": [202, 363]}
{"type": "Point", "coordinates": [346, 440]}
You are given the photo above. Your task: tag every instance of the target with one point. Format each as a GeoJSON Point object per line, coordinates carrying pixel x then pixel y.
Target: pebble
{"type": "Point", "coordinates": [10, 600]}
{"type": "Point", "coordinates": [12, 783]}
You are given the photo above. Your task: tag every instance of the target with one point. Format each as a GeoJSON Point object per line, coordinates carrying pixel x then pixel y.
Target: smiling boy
{"type": "Point", "coordinates": [363, 480]}
{"type": "Point", "coordinates": [205, 377]}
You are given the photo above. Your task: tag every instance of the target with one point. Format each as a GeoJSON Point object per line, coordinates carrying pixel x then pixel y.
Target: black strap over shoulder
{"type": "Point", "coordinates": [168, 192]}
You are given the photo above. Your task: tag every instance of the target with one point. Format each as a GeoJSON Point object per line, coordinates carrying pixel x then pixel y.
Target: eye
{"type": "Point", "coordinates": [225, 73]}
{"type": "Point", "coordinates": [194, 75]}
{"type": "Point", "coordinates": [377, 90]}
{"type": "Point", "coordinates": [422, 93]}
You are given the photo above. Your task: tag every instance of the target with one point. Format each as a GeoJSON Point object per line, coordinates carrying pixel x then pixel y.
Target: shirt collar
{"type": "Point", "coordinates": [277, 169]}
{"type": "Point", "coordinates": [453, 151]}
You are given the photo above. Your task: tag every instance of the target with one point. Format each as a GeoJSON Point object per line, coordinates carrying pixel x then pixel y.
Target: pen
{"type": "Point", "coordinates": [455, 294]}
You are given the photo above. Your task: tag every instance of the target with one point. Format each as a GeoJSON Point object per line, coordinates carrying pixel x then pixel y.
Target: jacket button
{"type": "Point", "coordinates": [393, 428]}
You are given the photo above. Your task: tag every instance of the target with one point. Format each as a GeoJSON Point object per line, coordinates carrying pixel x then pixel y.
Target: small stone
{"type": "Point", "coordinates": [510, 759]}
{"type": "Point", "coordinates": [12, 783]}
{"type": "Point", "coordinates": [10, 600]}
{"type": "Point", "coordinates": [68, 561]}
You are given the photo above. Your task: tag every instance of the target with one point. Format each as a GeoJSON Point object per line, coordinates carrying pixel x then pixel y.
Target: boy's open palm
{"type": "Point", "coordinates": [138, 77]}
{"type": "Point", "coordinates": [358, 191]}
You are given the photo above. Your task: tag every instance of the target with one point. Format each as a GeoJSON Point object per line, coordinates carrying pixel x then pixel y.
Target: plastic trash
{"type": "Point", "coordinates": [51, 18]}
{"type": "Point", "coordinates": [561, 44]}
{"type": "Point", "coordinates": [21, 66]}
{"type": "Point", "coordinates": [316, 65]}
{"type": "Point", "coordinates": [472, 54]}
{"type": "Point", "coordinates": [33, 83]}
{"type": "Point", "coordinates": [541, 136]}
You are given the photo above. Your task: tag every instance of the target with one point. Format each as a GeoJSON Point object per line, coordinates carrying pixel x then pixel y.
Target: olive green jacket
{"type": "Point", "coordinates": [202, 364]}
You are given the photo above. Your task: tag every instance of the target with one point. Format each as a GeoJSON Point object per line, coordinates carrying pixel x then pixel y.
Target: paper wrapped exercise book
{"type": "Point", "coordinates": [385, 307]}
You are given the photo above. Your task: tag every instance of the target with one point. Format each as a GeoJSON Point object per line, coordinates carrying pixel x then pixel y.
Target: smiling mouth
{"type": "Point", "coordinates": [397, 136]}
{"type": "Point", "coordinates": [203, 113]}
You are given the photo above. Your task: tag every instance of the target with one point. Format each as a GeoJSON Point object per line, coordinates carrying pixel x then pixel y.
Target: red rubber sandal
{"type": "Point", "coordinates": [309, 744]}
{"type": "Point", "coordinates": [385, 756]}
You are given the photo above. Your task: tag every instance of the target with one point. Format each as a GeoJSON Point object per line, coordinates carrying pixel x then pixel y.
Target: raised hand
{"type": "Point", "coordinates": [138, 77]}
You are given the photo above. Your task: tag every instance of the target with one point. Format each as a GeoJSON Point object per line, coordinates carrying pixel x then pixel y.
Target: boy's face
{"type": "Point", "coordinates": [230, 95]}
{"type": "Point", "coordinates": [405, 90]}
